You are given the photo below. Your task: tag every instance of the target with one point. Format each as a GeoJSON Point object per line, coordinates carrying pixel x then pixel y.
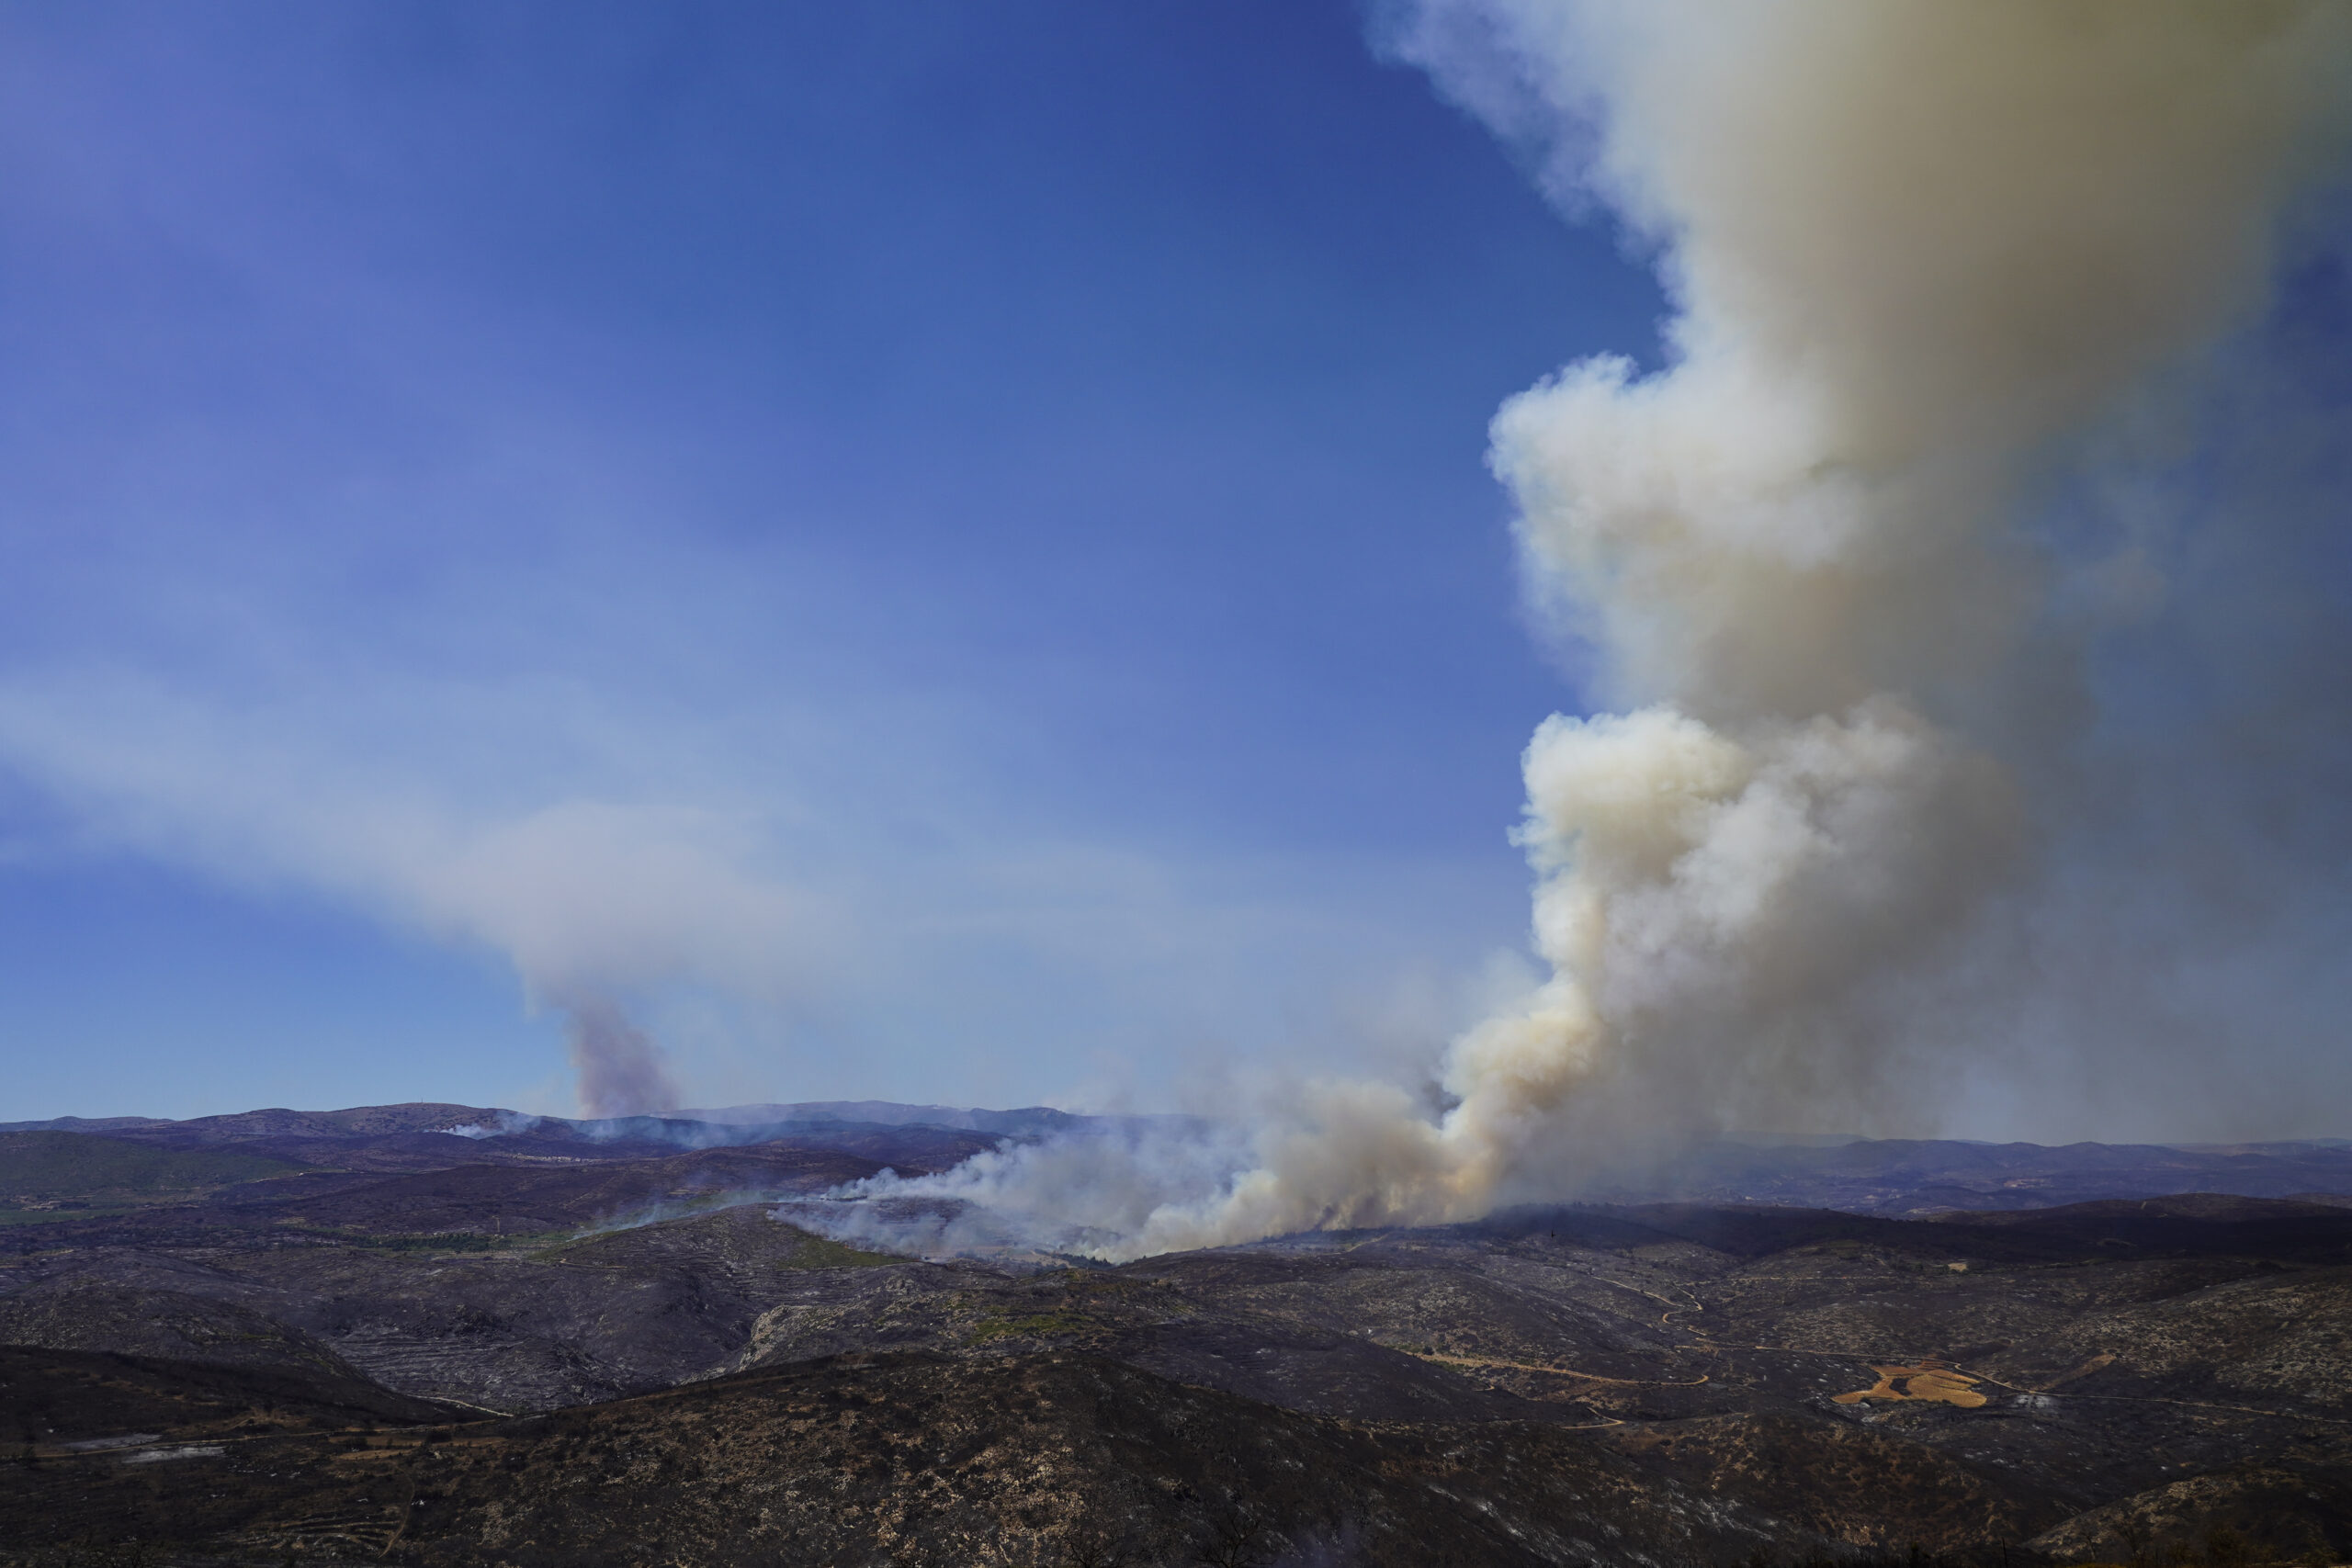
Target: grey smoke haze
{"type": "Point", "coordinates": [1948, 754]}
{"type": "Point", "coordinates": [620, 1069]}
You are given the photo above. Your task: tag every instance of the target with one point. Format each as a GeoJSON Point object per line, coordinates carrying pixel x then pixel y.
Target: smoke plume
{"type": "Point", "coordinates": [1919, 253]}
{"type": "Point", "coordinates": [590, 900]}
{"type": "Point", "coordinates": [620, 1069]}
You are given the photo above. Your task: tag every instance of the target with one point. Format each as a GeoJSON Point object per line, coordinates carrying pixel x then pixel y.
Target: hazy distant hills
{"type": "Point", "coordinates": [1034, 1120]}
{"type": "Point", "coordinates": [713, 1126]}
{"type": "Point", "coordinates": [1899, 1176]}
{"type": "Point", "coordinates": [1893, 1177]}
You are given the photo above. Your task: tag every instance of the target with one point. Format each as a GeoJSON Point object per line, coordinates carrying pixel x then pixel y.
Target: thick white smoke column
{"type": "Point", "coordinates": [1914, 246]}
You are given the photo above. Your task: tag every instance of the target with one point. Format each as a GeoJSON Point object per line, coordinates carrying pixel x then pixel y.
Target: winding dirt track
{"type": "Point", "coordinates": [1562, 1371]}
{"type": "Point", "coordinates": [1531, 1367]}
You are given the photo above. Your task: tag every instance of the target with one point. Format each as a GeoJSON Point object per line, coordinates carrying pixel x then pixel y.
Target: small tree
{"type": "Point", "coordinates": [2224, 1548]}
{"type": "Point", "coordinates": [1234, 1538]}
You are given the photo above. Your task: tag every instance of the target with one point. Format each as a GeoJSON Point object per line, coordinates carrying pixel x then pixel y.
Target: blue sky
{"type": "Point", "coordinates": [941, 550]}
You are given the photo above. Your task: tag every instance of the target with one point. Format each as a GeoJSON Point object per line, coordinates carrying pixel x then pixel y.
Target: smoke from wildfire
{"type": "Point", "coordinates": [1923, 256]}
{"type": "Point", "coordinates": [620, 1069]}
{"type": "Point", "coordinates": [1954, 613]}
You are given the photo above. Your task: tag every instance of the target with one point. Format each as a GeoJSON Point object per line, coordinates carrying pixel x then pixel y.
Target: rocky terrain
{"type": "Point", "coordinates": [317, 1339]}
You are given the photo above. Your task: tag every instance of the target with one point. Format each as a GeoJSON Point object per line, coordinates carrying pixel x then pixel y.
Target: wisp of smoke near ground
{"type": "Point", "coordinates": [1842, 579]}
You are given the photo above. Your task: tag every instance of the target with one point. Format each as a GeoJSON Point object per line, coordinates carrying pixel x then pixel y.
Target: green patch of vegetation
{"type": "Point", "coordinates": [817, 1252]}
{"type": "Point", "coordinates": [81, 1164]}
{"type": "Point", "coordinates": [1027, 1326]}
{"type": "Point", "coordinates": [52, 1216]}
{"type": "Point", "coordinates": [437, 1241]}
{"type": "Point", "coordinates": [433, 1241]}
{"type": "Point", "coordinates": [547, 1244]}
{"type": "Point", "coordinates": [666, 1211]}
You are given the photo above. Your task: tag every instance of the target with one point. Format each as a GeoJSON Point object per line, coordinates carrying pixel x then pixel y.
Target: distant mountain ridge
{"type": "Point", "coordinates": [1037, 1120]}
{"type": "Point", "coordinates": [432, 1116]}
{"type": "Point", "coordinates": [1892, 1176]}
{"type": "Point", "coordinates": [1907, 1177]}
{"type": "Point", "coordinates": [279, 1122]}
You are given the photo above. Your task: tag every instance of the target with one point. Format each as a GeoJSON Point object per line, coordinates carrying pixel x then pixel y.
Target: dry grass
{"type": "Point", "coordinates": [1928, 1380]}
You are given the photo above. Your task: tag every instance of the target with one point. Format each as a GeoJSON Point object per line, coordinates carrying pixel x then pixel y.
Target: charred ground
{"type": "Point", "coordinates": [545, 1348]}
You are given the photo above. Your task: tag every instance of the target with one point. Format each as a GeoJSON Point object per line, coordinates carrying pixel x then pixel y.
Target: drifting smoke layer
{"type": "Point", "coordinates": [588, 898]}
{"type": "Point", "coordinates": [1093, 1191]}
{"type": "Point", "coordinates": [1914, 248]}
